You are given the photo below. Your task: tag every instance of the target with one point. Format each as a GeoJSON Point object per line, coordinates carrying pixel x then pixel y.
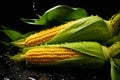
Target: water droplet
{"type": "Point", "coordinates": [30, 78]}
{"type": "Point", "coordinates": [8, 52]}
{"type": "Point", "coordinates": [20, 75]}
{"type": "Point", "coordinates": [6, 79]}
{"type": "Point", "coordinates": [34, 6]}
{"type": "Point", "coordinates": [94, 77]}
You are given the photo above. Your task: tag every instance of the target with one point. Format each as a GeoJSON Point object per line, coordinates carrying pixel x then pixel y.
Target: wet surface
{"type": "Point", "coordinates": [19, 71]}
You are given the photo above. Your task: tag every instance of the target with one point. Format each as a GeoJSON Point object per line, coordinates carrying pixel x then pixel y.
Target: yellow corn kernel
{"type": "Point", "coordinates": [48, 55]}
{"type": "Point", "coordinates": [45, 35]}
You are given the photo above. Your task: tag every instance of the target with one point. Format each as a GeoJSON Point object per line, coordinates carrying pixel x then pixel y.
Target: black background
{"type": "Point", "coordinates": [12, 10]}
{"type": "Point", "coordinates": [10, 13]}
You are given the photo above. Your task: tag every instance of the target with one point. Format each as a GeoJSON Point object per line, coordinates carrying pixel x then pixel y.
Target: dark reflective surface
{"type": "Point", "coordinates": [12, 71]}
{"type": "Point", "coordinates": [12, 11]}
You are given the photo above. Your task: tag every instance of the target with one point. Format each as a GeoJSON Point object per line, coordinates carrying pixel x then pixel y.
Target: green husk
{"type": "Point", "coordinates": [19, 43]}
{"type": "Point", "coordinates": [115, 67]}
{"type": "Point", "coordinates": [114, 49]}
{"type": "Point", "coordinates": [92, 28]}
{"type": "Point", "coordinates": [115, 62]}
{"type": "Point", "coordinates": [115, 22]}
{"type": "Point", "coordinates": [19, 57]}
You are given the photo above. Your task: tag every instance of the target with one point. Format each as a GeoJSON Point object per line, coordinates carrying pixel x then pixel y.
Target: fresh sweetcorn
{"type": "Point", "coordinates": [92, 28]}
{"type": "Point", "coordinates": [48, 55]}
{"type": "Point", "coordinates": [82, 54]}
{"type": "Point", "coordinates": [45, 35]}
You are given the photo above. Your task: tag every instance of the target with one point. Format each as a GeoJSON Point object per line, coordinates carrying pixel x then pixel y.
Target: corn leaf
{"type": "Point", "coordinates": [115, 63]}
{"type": "Point", "coordinates": [13, 35]}
{"type": "Point", "coordinates": [115, 68]}
{"type": "Point", "coordinates": [57, 14]}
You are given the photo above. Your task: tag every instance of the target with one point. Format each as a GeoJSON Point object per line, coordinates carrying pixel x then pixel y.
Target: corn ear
{"type": "Point", "coordinates": [91, 28]}
{"type": "Point", "coordinates": [45, 35]}
{"type": "Point", "coordinates": [48, 55]}
{"type": "Point", "coordinates": [82, 54]}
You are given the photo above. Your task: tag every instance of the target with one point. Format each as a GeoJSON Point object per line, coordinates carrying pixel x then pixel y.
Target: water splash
{"type": "Point", "coordinates": [34, 6]}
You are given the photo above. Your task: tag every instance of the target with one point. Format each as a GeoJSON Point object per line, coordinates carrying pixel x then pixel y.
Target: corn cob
{"type": "Point", "coordinates": [92, 28]}
{"type": "Point", "coordinates": [82, 54]}
{"type": "Point", "coordinates": [78, 53]}
{"type": "Point", "coordinates": [45, 35]}
{"type": "Point", "coordinates": [48, 55]}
